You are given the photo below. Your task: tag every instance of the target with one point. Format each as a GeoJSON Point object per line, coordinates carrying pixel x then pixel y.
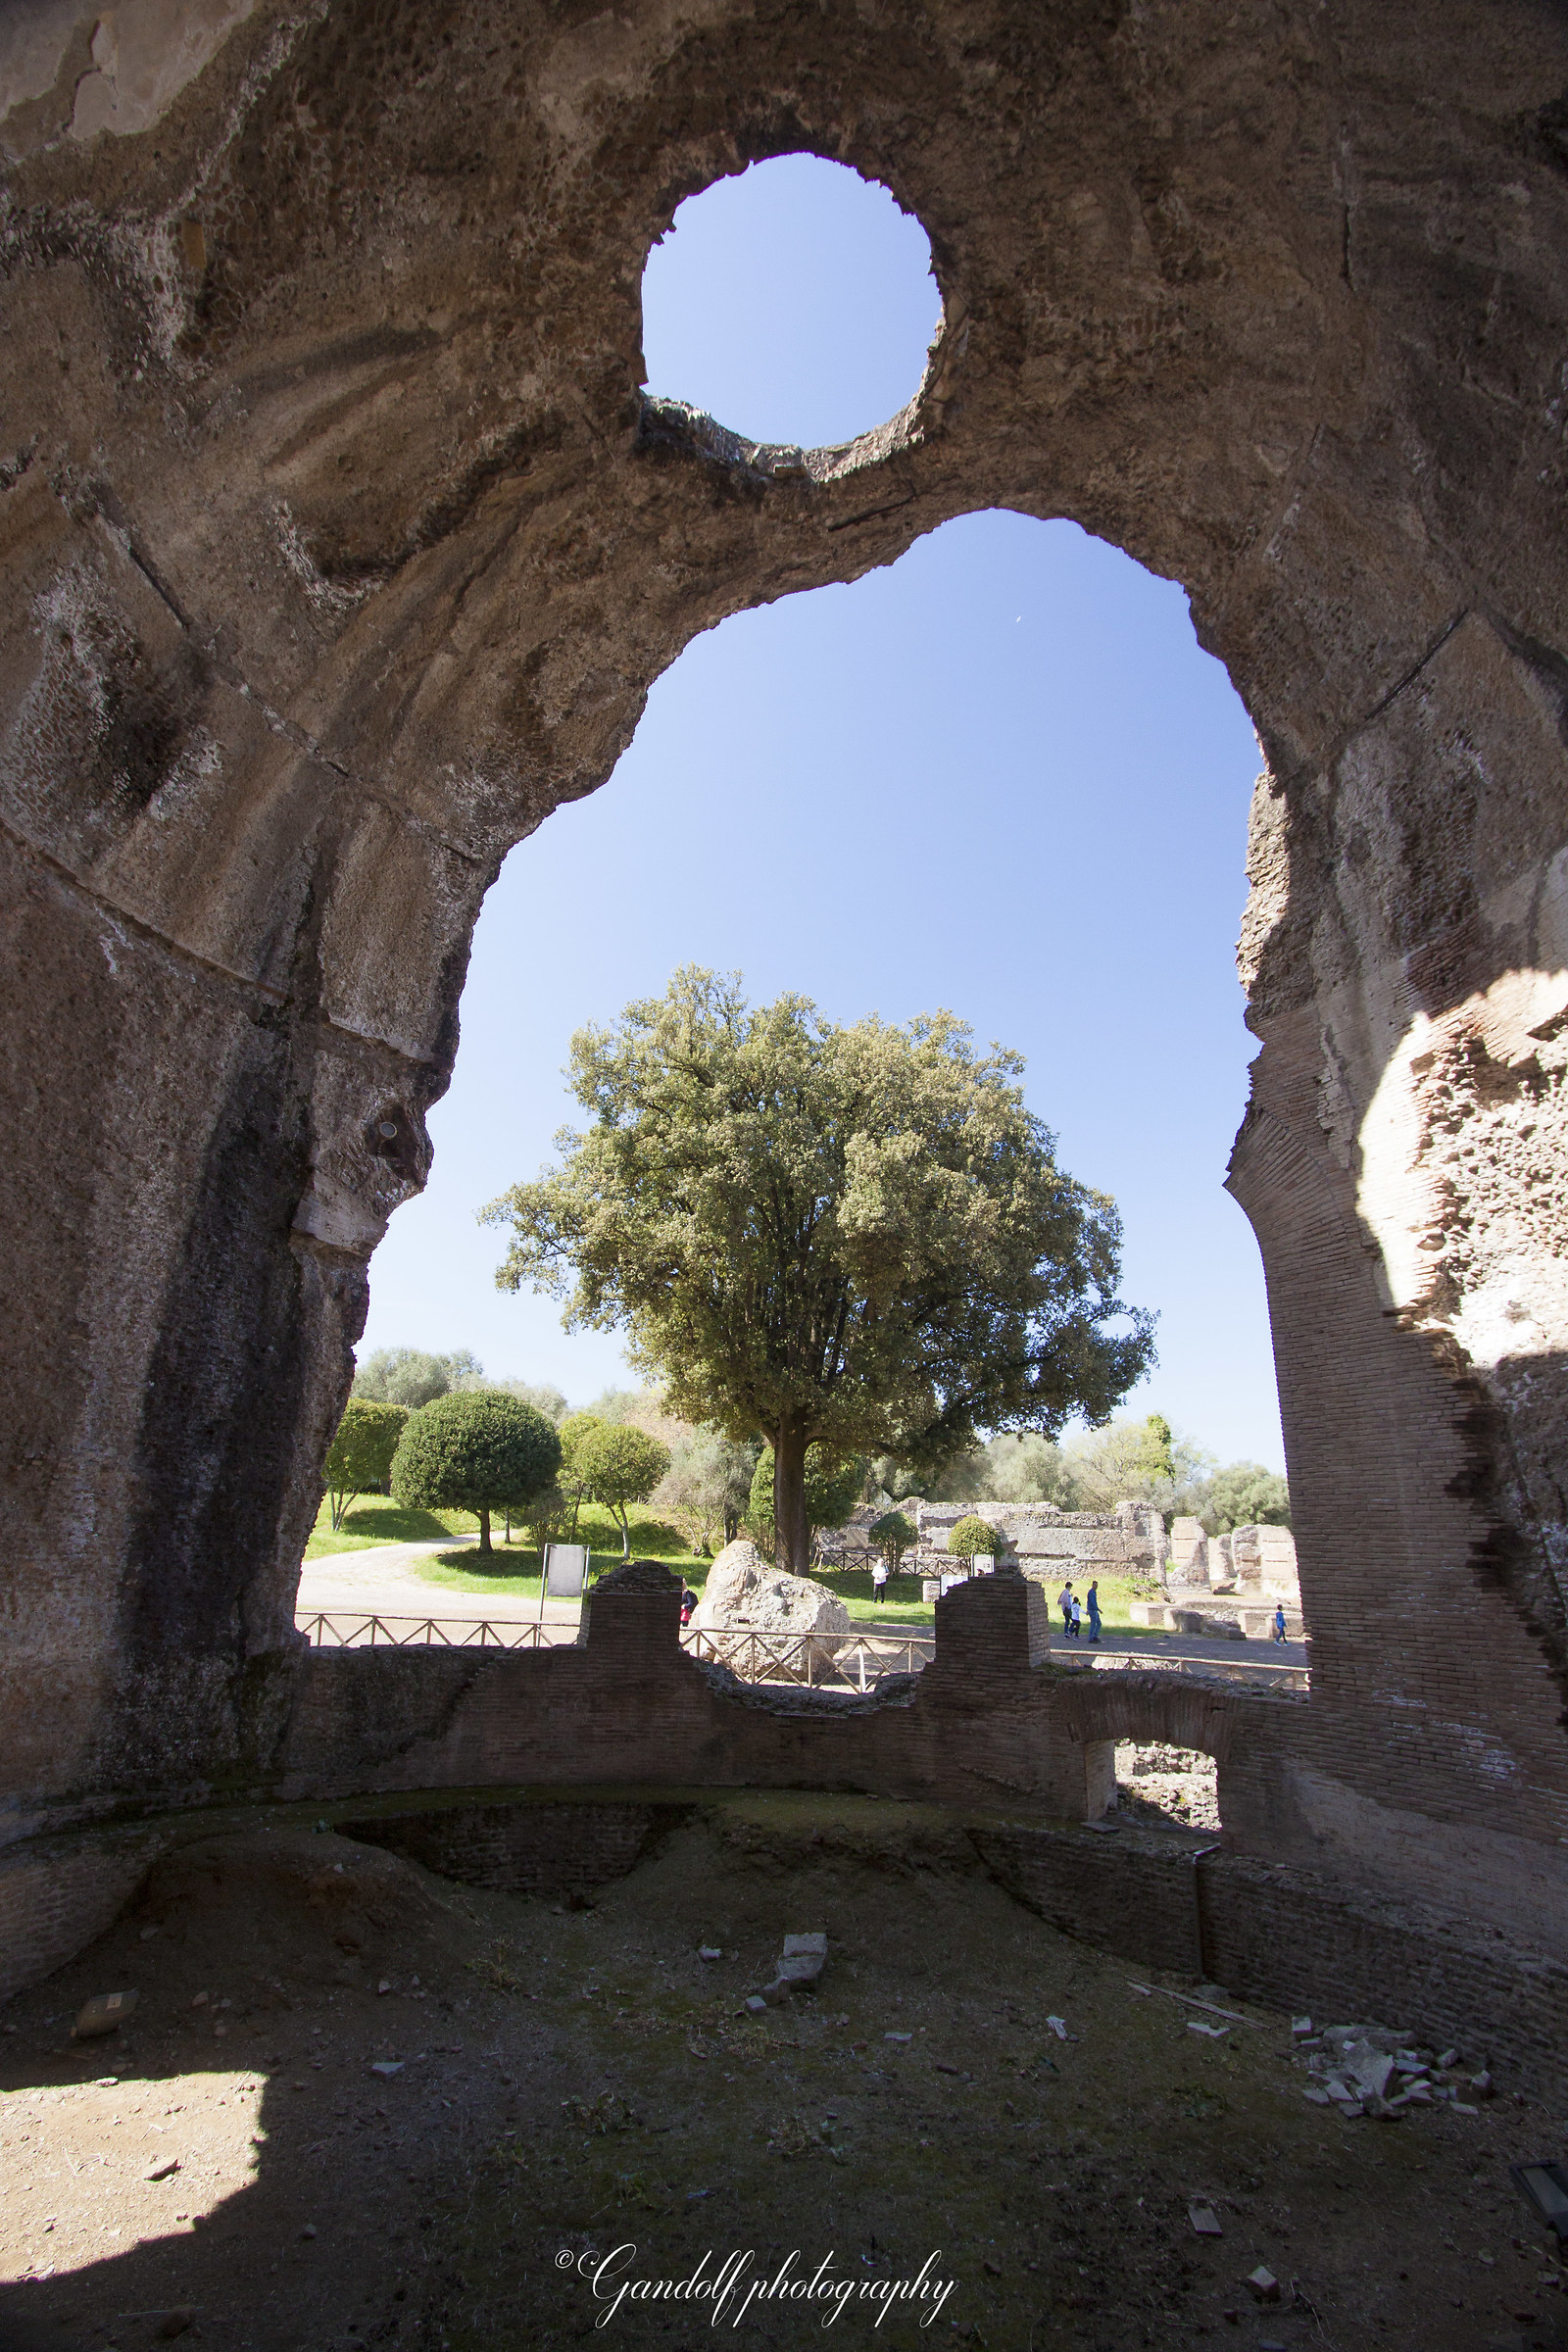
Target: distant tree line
{"type": "Point", "coordinates": [628, 1448]}
{"type": "Point", "coordinates": [1126, 1461]}
{"type": "Point", "coordinates": [622, 1449]}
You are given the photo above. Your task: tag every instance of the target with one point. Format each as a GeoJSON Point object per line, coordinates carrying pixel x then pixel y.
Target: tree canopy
{"type": "Point", "coordinates": [893, 1533]}
{"type": "Point", "coordinates": [475, 1450]}
{"type": "Point", "coordinates": [853, 1235]}
{"type": "Point", "coordinates": [360, 1456]}
{"type": "Point", "coordinates": [1134, 1461]}
{"type": "Point", "coordinates": [1243, 1495]}
{"type": "Point", "coordinates": [411, 1377]}
{"type": "Point", "coordinates": [707, 1486]}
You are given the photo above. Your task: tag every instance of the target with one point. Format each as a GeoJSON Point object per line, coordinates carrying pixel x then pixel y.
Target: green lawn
{"type": "Point", "coordinates": [517, 1570]}
{"type": "Point", "coordinates": [377, 1519]}
{"type": "Point", "coordinates": [517, 1564]}
{"type": "Point", "coordinates": [905, 1607]}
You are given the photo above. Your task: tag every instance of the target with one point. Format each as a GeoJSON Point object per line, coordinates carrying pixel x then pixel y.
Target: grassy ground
{"type": "Point", "coordinates": [517, 1569]}
{"type": "Point", "coordinates": [515, 1566]}
{"type": "Point", "coordinates": [905, 1607]}
{"type": "Point", "coordinates": [377, 1519]}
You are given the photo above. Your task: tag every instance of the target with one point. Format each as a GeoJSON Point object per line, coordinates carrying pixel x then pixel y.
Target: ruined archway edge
{"type": "Point", "coordinates": [341, 546]}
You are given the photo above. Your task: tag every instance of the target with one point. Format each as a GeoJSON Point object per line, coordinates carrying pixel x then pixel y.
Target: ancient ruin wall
{"type": "Point", "coordinates": [341, 546]}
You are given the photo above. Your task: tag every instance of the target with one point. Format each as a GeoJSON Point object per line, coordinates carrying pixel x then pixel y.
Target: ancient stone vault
{"type": "Point", "coordinates": [341, 545]}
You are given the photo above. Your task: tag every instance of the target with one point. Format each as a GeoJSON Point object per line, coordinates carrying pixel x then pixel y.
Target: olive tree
{"type": "Point", "coordinates": [1242, 1495]}
{"type": "Point", "coordinates": [893, 1533]}
{"type": "Point", "coordinates": [475, 1450]}
{"type": "Point", "coordinates": [707, 1486]}
{"type": "Point", "coordinates": [411, 1377]}
{"type": "Point", "coordinates": [855, 1236]}
{"type": "Point", "coordinates": [1137, 1461]}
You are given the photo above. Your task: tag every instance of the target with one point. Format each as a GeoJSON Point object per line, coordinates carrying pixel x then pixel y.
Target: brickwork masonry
{"type": "Point", "coordinates": [1165, 1901]}
{"type": "Point", "coordinates": [992, 1726]}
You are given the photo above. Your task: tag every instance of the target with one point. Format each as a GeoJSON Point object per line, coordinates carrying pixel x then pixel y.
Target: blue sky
{"type": "Point", "coordinates": [999, 777]}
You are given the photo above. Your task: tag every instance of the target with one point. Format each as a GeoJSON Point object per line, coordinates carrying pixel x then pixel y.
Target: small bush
{"type": "Point", "coordinates": [973, 1535]}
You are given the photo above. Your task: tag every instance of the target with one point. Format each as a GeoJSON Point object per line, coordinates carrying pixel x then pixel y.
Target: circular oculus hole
{"type": "Point", "coordinates": [829, 304]}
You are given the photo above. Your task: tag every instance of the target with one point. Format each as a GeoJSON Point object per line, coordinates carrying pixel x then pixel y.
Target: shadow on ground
{"type": "Point", "coordinates": [571, 2082]}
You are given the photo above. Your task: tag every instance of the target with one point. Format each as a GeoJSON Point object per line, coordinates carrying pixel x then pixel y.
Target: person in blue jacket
{"type": "Point", "coordinates": [1091, 1597]}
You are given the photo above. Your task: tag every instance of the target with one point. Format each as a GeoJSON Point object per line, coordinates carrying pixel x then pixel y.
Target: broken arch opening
{"type": "Point", "coordinates": [999, 775]}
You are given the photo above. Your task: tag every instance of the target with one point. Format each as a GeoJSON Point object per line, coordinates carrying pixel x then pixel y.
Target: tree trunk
{"type": "Point", "coordinates": [484, 1530]}
{"type": "Point", "coordinates": [626, 1537]}
{"type": "Point", "coordinates": [790, 1538]}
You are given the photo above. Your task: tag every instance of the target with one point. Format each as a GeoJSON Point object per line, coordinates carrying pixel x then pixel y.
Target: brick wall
{"type": "Point", "coordinates": [990, 1724]}
{"type": "Point", "coordinates": [519, 1847]}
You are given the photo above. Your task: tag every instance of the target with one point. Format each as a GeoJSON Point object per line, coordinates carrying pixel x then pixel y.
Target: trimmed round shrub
{"type": "Point", "coordinates": [973, 1535]}
{"type": "Point", "coordinates": [619, 1465]}
{"type": "Point", "coordinates": [475, 1450]}
{"type": "Point", "coordinates": [893, 1533]}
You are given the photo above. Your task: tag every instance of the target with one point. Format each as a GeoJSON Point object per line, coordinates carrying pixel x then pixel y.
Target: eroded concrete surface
{"type": "Point", "coordinates": [341, 546]}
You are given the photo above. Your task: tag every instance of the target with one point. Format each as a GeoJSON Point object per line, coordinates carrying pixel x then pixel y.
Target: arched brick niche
{"type": "Point", "coordinates": [341, 545]}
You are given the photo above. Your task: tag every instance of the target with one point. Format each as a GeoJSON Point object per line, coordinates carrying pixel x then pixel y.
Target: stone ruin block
{"type": "Point", "coordinates": [1265, 1559]}
{"type": "Point", "coordinates": [1045, 1541]}
{"type": "Point", "coordinates": [1189, 1565]}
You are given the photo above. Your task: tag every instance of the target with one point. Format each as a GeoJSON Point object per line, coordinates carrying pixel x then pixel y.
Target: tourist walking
{"type": "Point", "coordinates": [1075, 1621]}
{"type": "Point", "coordinates": [879, 1581]}
{"type": "Point", "coordinates": [688, 1602]}
{"type": "Point", "coordinates": [1092, 1598]}
{"type": "Point", "coordinates": [1278, 1621]}
{"type": "Point", "coordinates": [1064, 1604]}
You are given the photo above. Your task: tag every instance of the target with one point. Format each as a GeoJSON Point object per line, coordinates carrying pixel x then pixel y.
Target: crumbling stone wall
{"type": "Point", "coordinates": [1046, 1542]}
{"type": "Point", "coordinates": [341, 545]}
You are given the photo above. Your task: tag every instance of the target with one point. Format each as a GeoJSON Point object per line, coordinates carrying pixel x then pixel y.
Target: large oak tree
{"type": "Point", "coordinates": [857, 1236]}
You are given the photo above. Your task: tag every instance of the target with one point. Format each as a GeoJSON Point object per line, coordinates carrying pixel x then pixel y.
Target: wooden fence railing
{"type": "Point", "coordinates": [815, 1661]}
{"type": "Point", "coordinates": [822, 1663]}
{"type": "Point", "coordinates": [350, 1628]}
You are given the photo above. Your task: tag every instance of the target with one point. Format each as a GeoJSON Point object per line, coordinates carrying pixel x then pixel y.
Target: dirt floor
{"type": "Point", "coordinates": [581, 2105]}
